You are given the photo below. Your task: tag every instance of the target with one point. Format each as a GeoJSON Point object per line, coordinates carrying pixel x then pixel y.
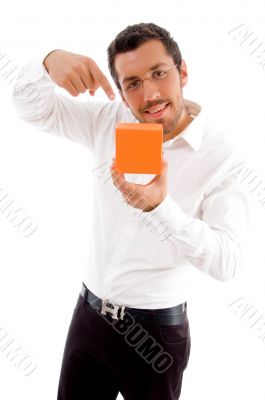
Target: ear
{"type": "Point", "coordinates": [183, 74]}
{"type": "Point", "coordinates": [123, 99]}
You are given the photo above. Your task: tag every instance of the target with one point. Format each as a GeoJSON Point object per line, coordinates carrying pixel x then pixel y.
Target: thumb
{"type": "Point", "coordinates": [164, 164]}
{"type": "Point", "coordinates": [163, 175]}
{"type": "Point", "coordinates": [164, 169]}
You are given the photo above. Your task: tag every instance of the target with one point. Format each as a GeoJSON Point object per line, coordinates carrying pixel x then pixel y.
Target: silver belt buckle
{"type": "Point", "coordinates": [184, 307]}
{"type": "Point", "coordinates": [112, 310]}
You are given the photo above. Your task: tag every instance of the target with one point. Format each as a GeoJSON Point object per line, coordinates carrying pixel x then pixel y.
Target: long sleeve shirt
{"type": "Point", "coordinates": [148, 259]}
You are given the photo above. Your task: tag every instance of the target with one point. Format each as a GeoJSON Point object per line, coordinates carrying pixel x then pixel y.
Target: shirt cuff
{"type": "Point", "coordinates": [168, 217]}
{"type": "Point", "coordinates": [33, 70]}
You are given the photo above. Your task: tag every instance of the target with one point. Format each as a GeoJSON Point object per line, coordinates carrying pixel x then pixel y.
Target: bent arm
{"type": "Point", "coordinates": [216, 243]}
{"type": "Point", "coordinates": [37, 103]}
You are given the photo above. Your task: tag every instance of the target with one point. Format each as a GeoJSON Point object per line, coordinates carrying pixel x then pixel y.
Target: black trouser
{"type": "Point", "coordinates": [102, 359]}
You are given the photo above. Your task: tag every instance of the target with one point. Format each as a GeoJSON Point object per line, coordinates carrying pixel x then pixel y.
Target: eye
{"type": "Point", "coordinates": [159, 74]}
{"type": "Point", "coordinates": [134, 85]}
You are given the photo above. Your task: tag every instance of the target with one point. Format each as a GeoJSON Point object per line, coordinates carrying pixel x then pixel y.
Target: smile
{"type": "Point", "coordinates": [157, 112]}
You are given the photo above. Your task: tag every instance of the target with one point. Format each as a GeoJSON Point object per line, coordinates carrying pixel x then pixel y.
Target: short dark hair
{"type": "Point", "coordinates": [134, 36]}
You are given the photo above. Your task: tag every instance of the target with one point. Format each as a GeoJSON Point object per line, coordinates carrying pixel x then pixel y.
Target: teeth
{"type": "Point", "coordinates": [158, 109]}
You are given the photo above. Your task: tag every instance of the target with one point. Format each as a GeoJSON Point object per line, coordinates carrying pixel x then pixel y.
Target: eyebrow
{"type": "Point", "coordinates": [130, 78]}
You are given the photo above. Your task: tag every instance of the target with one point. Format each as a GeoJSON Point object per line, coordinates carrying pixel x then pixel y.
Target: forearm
{"type": "Point", "coordinates": [33, 93]}
{"type": "Point", "coordinates": [214, 244]}
{"type": "Point", "coordinates": [37, 103]}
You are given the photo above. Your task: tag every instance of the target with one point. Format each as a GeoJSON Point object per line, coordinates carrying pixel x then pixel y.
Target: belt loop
{"type": "Point", "coordinates": [85, 295]}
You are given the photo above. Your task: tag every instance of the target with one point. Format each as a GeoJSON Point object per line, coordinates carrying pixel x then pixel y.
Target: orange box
{"type": "Point", "coordinates": [139, 148]}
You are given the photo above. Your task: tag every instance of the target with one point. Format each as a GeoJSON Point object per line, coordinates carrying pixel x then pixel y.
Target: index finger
{"type": "Point", "coordinates": [100, 78]}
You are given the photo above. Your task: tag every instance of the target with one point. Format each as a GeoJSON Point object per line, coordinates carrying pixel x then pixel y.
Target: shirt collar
{"type": "Point", "coordinates": [194, 132]}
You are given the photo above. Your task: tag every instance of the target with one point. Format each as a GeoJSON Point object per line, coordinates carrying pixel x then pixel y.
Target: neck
{"type": "Point", "coordinates": [185, 120]}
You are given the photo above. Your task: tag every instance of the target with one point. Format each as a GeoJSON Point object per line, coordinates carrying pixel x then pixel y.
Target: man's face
{"type": "Point", "coordinates": [146, 99]}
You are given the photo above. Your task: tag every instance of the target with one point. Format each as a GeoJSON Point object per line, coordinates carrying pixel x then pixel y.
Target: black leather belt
{"type": "Point", "coordinates": [164, 316]}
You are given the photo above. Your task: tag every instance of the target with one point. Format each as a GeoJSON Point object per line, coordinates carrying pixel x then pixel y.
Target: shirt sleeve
{"type": "Point", "coordinates": [216, 243]}
{"type": "Point", "coordinates": [36, 102]}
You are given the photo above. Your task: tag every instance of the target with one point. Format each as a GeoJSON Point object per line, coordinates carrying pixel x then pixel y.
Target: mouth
{"type": "Point", "coordinates": [158, 111]}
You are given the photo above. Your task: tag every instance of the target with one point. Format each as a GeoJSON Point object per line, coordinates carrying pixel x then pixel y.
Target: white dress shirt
{"type": "Point", "coordinates": [148, 259]}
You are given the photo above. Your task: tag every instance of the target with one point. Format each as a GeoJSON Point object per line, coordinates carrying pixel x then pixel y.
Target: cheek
{"type": "Point", "coordinates": [130, 104]}
{"type": "Point", "coordinates": [135, 107]}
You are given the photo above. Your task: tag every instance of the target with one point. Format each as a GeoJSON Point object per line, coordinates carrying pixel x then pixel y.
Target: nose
{"type": "Point", "coordinates": [150, 90]}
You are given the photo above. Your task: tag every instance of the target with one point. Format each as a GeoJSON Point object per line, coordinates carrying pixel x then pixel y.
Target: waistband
{"type": "Point", "coordinates": [162, 316]}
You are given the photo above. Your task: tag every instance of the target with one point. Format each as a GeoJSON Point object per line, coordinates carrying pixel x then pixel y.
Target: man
{"type": "Point", "coordinates": [130, 331]}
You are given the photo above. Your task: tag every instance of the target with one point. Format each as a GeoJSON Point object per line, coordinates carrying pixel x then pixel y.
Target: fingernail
{"type": "Point", "coordinates": [112, 96]}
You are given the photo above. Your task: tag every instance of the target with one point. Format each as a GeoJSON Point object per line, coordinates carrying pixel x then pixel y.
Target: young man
{"type": "Point", "coordinates": [130, 331]}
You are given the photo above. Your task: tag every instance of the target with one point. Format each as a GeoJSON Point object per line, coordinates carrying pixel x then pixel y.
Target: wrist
{"type": "Point", "coordinates": [151, 207]}
{"type": "Point", "coordinates": [45, 60]}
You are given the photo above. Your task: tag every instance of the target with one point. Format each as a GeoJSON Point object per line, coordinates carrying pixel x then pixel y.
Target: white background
{"type": "Point", "coordinates": [51, 179]}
